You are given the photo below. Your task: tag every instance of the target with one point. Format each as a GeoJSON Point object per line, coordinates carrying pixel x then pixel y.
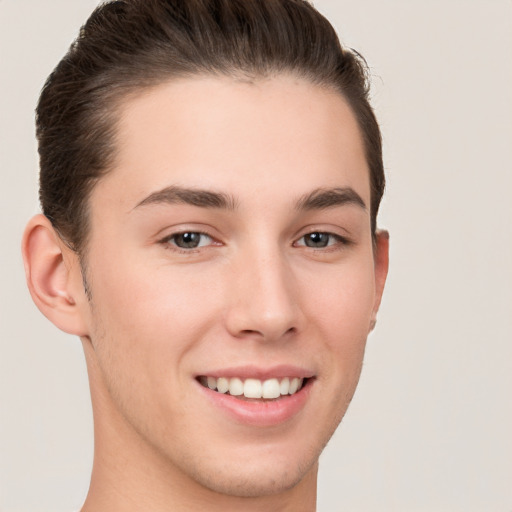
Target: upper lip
{"type": "Point", "coordinates": [255, 372]}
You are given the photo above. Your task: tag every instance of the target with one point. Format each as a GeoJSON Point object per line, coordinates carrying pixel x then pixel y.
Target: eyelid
{"type": "Point", "coordinates": [166, 241]}
{"type": "Point", "coordinates": [340, 240]}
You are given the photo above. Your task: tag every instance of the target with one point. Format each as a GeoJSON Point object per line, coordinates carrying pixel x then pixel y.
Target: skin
{"type": "Point", "coordinates": [252, 293]}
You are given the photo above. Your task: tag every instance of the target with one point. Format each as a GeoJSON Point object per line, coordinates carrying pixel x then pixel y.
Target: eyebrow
{"type": "Point", "coordinates": [323, 198]}
{"type": "Point", "coordinates": [194, 197]}
{"type": "Point", "coordinates": [319, 199]}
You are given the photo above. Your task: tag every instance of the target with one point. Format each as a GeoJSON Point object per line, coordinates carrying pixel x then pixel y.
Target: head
{"type": "Point", "coordinates": [211, 172]}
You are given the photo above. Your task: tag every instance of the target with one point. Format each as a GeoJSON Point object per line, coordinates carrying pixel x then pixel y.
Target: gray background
{"type": "Point", "coordinates": [430, 426]}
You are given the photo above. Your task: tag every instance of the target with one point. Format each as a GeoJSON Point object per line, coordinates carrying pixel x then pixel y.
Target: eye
{"type": "Point", "coordinates": [188, 240]}
{"type": "Point", "coordinates": [320, 240]}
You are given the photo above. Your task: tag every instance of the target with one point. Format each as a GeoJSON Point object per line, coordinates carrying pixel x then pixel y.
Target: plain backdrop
{"type": "Point", "coordinates": [430, 426]}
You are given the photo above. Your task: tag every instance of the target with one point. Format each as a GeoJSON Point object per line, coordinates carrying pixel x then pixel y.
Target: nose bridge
{"type": "Point", "coordinates": [263, 299]}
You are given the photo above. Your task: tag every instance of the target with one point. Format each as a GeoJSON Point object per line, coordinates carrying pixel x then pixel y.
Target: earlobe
{"type": "Point", "coordinates": [381, 265]}
{"type": "Point", "coordinates": [53, 276]}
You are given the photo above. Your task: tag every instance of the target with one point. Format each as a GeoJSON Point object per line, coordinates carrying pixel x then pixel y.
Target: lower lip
{"type": "Point", "coordinates": [260, 414]}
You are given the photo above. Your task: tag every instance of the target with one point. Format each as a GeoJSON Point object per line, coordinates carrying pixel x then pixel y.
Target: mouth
{"type": "Point", "coordinates": [254, 389]}
{"type": "Point", "coordinates": [257, 396]}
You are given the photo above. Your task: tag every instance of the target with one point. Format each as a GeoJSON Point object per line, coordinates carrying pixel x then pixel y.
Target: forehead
{"type": "Point", "coordinates": [271, 136]}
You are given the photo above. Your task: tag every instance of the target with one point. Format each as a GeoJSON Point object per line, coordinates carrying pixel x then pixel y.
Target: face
{"type": "Point", "coordinates": [233, 279]}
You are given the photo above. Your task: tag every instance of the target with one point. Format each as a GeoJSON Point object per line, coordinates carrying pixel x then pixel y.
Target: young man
{"type": "Point", "coordinates": [211, 173]}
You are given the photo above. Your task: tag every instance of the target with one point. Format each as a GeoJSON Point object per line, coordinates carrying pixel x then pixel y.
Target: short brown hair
{"type": "Point", "coordinates": [127, 45]}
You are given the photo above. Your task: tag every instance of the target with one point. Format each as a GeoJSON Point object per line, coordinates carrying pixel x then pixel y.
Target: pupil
{"type": "Point", "coordinates": [317, 240]}
{"type": "Point", "coordinates": [188, 240]}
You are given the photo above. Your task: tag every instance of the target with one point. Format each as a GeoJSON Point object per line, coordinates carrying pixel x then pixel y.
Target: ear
{"type": "Point", "coordinates": [381, 265]}
{"type": "Point", "coordinates": [54, 277]}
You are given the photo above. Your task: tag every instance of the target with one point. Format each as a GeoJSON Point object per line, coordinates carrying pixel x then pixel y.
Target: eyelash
{"type": "Point", "coordinates": [338, 241]}
{"type": "Point", "coordinates": [169, 242]}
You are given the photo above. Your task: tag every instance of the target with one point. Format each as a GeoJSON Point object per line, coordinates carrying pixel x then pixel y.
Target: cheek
{"type": "Point", "coordinates": [134, 296]}
{"type": "Point", "coordinates": [145, 323]}
{"type": "Point", "coordinates": [342, 313]}
{"type": "Point", "coordinates": [344, 302]}
{"type": "Point", "coordinates": [151, 317]}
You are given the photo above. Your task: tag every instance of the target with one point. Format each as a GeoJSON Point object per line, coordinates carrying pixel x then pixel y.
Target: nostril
{"type": "Point", "coordinates": [267, 334]}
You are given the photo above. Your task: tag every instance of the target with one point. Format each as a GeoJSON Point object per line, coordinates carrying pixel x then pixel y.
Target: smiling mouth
{"type": "Point", "coordinates": [250, 389]}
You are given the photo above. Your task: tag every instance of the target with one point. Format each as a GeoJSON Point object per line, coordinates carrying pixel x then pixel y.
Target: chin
{"type": "Point", "coordinates": [252, 482]}
{"type": "Point", "coordinates": [264, 468]}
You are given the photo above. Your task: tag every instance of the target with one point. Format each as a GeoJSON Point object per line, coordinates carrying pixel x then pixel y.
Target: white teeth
{"type": "Point", "coordinates": [254, 388]}
{"type": "Point", "coordinates": [270, 389]}
{"type": "Point", "coordinates": [294, 384]}
{"type": "Point", "coordinates": [285, 386]}
{"type": "Point", "coordinates": [222, 385]}
{"type": "Point", "coordinates": [236, 387]}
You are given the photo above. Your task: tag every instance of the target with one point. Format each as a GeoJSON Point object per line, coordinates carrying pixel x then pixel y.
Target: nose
{"type": "Point", "coordinates": [263, 300]}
